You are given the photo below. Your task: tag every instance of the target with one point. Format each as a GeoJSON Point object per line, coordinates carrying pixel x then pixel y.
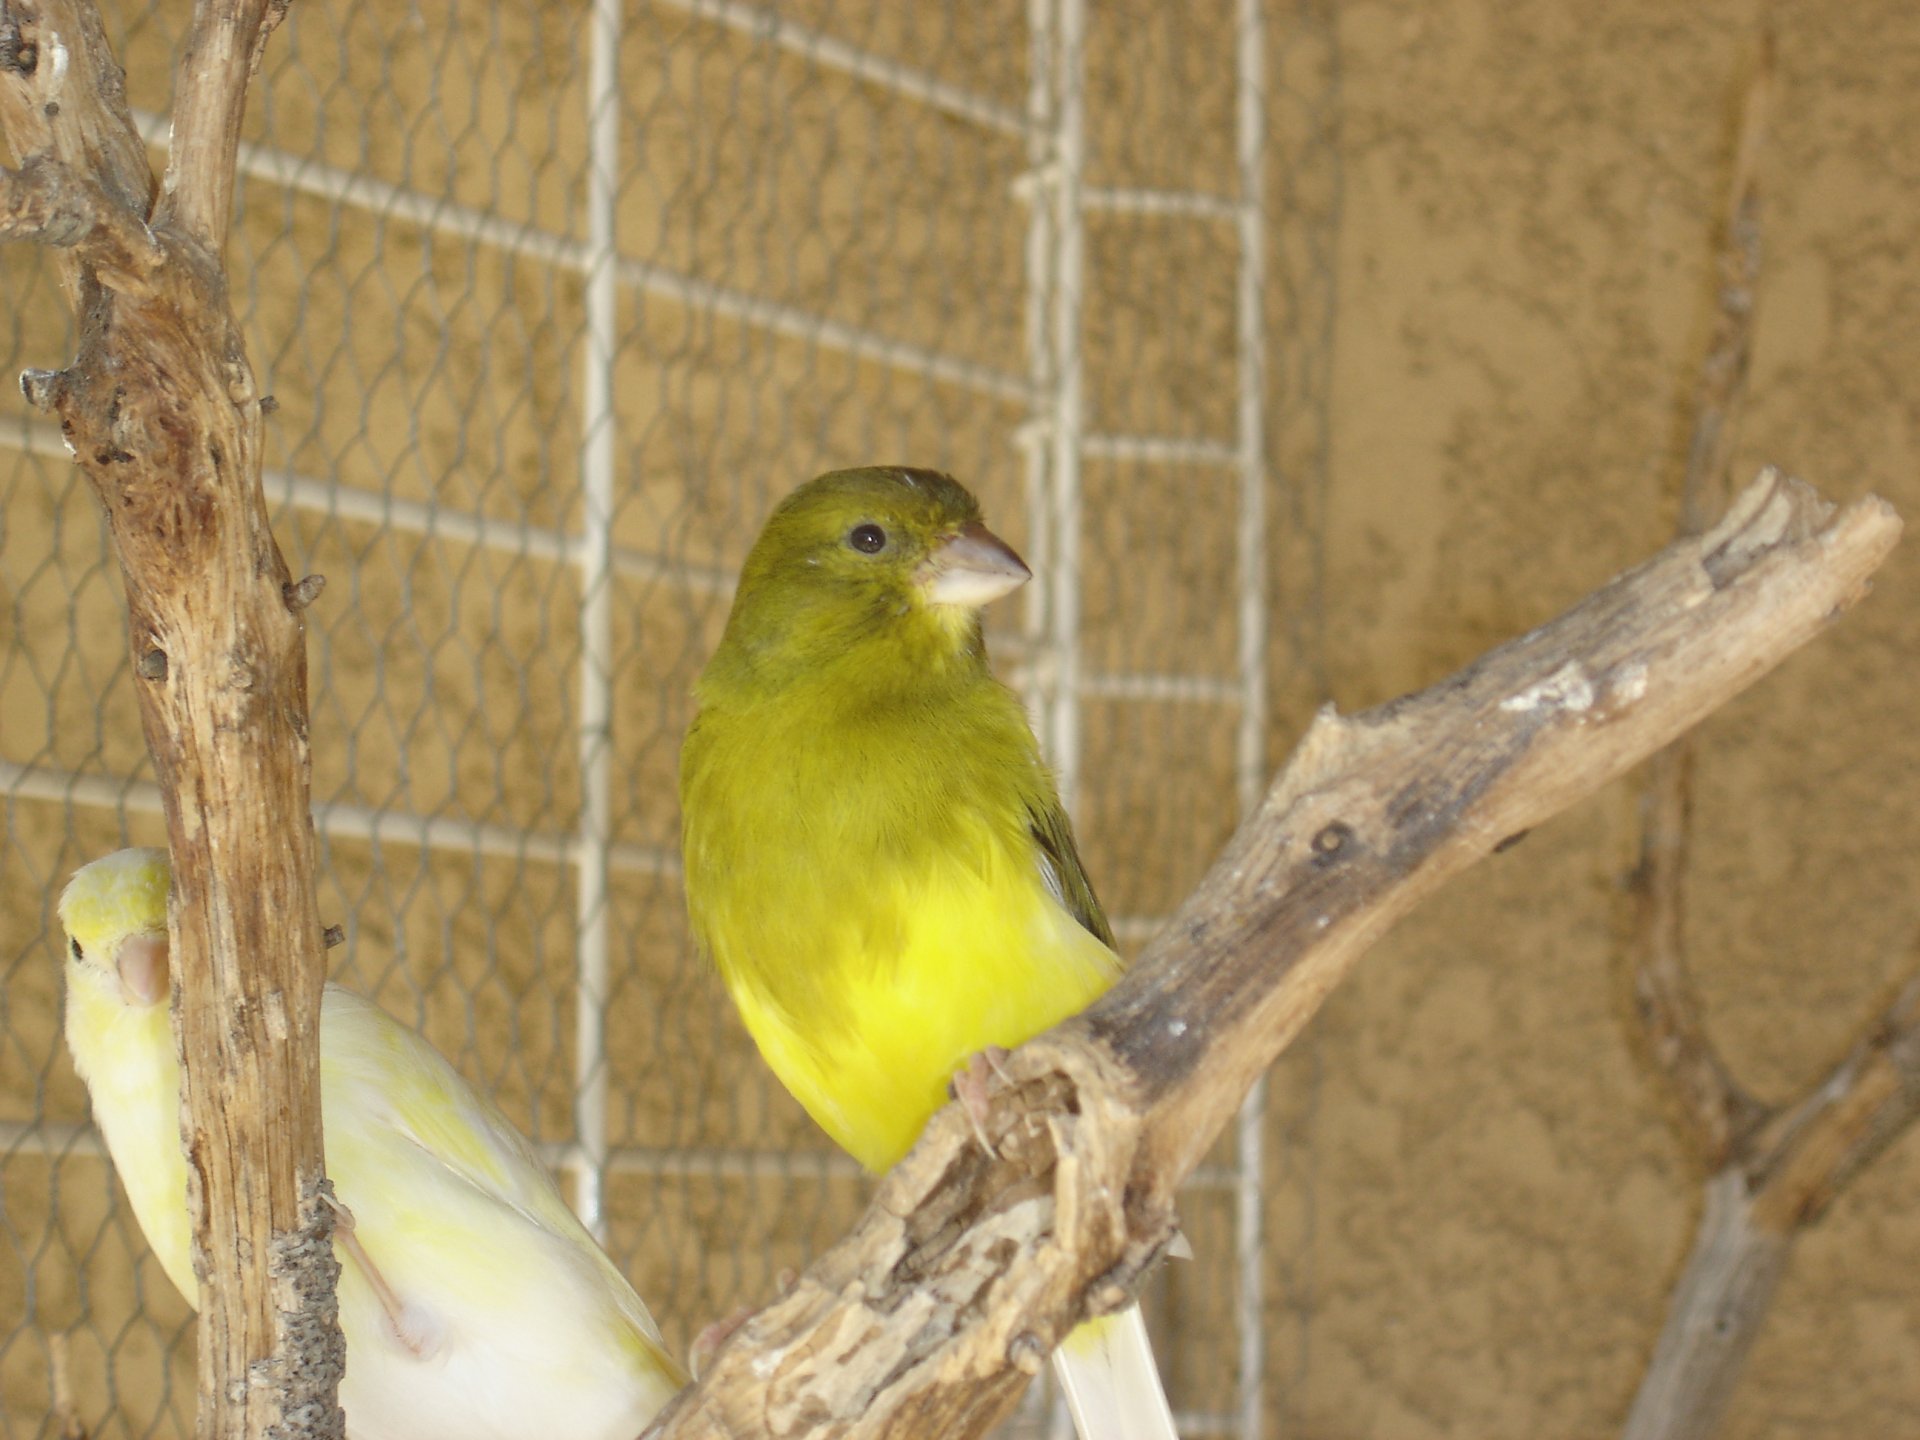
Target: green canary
{"type": "Point", "coordinates": [877, 861]}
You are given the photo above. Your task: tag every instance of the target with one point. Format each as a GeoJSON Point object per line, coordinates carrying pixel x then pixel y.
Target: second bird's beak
{"type": "Point", "coordinates": [141, 964]}
{"type": "Point", "coordinates": [972, 568]}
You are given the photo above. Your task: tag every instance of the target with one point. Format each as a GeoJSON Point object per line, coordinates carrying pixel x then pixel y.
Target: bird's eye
{"type": "Point", "coordinates": [74, 946]}
{"type": "Point", "coordinates": [868, 539]}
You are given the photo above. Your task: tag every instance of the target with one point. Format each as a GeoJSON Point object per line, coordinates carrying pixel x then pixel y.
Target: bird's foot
{"type": "Point", "coordinates": [708, 1342]}
{"type": "Point", "coordinates": [413, 1326]}
{"type": "Point", "coordinates": [342, 1216]}
{"type": "Point", "coordinates": [972, 1086]}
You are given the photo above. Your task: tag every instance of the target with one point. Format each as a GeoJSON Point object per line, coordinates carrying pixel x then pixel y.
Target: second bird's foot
{"type": "Point", "coordinates": [971, 1087]}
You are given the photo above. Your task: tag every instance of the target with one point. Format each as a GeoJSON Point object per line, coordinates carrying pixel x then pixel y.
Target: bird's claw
{"type": "Point", "coordinates": [414, 1326]}
{"type": "Point", "coordinates": [971, 1087]}
{"type": "Point", "coordinates": [708, 1342]}
{"type": "Point", "coordinates": [342, 1216]}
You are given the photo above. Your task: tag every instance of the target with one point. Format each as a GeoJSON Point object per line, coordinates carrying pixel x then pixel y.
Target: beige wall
{"type": "Point", "coordinates": [1500, 1200]}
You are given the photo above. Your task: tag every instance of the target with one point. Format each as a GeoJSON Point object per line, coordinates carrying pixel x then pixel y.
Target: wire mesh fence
{"type": "Point", "coordinates": [555, 301]}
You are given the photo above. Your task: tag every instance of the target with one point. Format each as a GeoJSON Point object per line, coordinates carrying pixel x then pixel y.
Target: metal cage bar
{"type": "Point", "coordinates": [863, 65]}
{"type": "Point", "coordinates": [598, 470]}
{"type": "Point", "coordinates": [1250, 768]}
{"type": "Point", "coordinates": [1067, 407]}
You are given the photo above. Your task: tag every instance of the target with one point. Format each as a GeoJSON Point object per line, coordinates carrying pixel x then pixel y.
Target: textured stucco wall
{"type": "Point", "coordinates": [1484, 1200]}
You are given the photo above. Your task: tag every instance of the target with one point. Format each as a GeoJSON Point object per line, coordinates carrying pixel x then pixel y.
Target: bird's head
{"type": "Point", "coordinates": [115, 915]}
{"type": "Point", "coordinates": [884, 552]}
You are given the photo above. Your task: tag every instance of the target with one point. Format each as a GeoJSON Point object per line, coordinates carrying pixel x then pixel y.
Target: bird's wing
{"type": "Point", "coordinates": [1060, 868]}
{"type": "Point", "coordinates": [397, 1107]}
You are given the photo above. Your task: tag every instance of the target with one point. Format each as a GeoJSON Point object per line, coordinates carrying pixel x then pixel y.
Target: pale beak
{"type": "Point", "coordinates": [972, 568]}
{"type": "Point", "coordinates": [141, 964]}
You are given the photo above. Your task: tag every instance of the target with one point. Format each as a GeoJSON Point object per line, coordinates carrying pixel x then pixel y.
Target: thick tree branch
{"type": "Point", "coordinates": [160, 410]}
{"type": "Point", "coordinates": [47, 203]}
{"type": "Point", "coordinates": [68, 96]}
{"type": "Point", "coordinates": [63, 96]}
{"type": "Point", "coordinates": [970, 1266]}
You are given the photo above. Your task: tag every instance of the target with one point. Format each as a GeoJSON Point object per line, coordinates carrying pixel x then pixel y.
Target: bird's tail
{"type": "Point", "coordinates": [1112, 1385]}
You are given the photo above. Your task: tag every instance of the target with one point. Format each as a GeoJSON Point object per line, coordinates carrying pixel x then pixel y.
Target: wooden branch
{"type": "Point", "coordinates": [1717, 1111]}
{"type": "Point", "coordinates": [1717, 1306]}
{"type": "Point", "coordinates": [160, 409]}
{"type": "Point", "coordinates": [1723, 374]}
{"type": "Point", "coordinates": [223, 50]}
{"type": "Point", "coordinates": [1714, 1107]}
{"type": "Point", "coordinates": [1807, 1156]}
{"type": "Point", "coordinates": [969, 1266]}
{"type": "Point", "coordinates": [1773, 1184]}
{"type": "Point", "coordinates": [66, 95]}
{"type": "Point", "coordinates": [48, 203]}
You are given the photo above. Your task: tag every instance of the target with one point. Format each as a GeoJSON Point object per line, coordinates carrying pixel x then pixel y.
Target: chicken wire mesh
{"type": "Point", "coordinates": [555, 301]}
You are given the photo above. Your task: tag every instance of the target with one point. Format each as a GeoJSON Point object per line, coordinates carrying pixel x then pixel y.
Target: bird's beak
{"type": "Point", "coordinates": [971, 568]}
{"type": "Point", "coordinates": [141, 964]}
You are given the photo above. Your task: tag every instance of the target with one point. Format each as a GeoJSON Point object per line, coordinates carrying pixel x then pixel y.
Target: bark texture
{"type": "Point", "coordinates": [1728, 1284]}
{"type": "Point", "coordinates": [1776, 1180]}
{"type": "Point", "coordinates": [160, 410]}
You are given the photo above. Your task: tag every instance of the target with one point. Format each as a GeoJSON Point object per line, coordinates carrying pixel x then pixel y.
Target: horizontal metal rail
{"type": "Point", "coordinates": [862, 65]}
{"type": "Point", "coordinates": [370, 507]}
{"type": "Point", "coordinates": [1195, 1423]}
{"type": "Point", "coordinates": [1161, 689]}
{"type": "Point", "coordinates": [392, 827]}
{"type": "Point", "coordinates": [320, 497]}
{"type": "Point", "coordinates": [57, 1139]}
{"type": "Point", "coordinates": [1161, 450]}
{"type": "Point", "coordinates": [1173, 204]}
{"type": "Point", "coordinates": [442, 216]}
{"type": "Point", "coordinates": [338, 821]}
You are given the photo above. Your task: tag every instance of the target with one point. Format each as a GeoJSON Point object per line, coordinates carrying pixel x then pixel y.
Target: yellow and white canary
{"type": "Point", "coordinates": [877, 860]}
{"type": "Point", "coordinates": [473, 1301]}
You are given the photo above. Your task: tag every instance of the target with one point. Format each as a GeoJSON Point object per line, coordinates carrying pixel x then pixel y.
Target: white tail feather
{"type": "Point", "coordinates": [1112, 1385]}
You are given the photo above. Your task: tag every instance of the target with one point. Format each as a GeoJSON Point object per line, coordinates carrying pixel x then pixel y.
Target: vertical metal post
{"type": "Point", "coordinates": [1068, 423]}
{"type": "Point", "coordinates": [1051, 431]}
{"type": "Point", "coordinates": [1250, 763]}
{"type": "Point", "coordinates": [1035, 188]}
{"type": "Point", "coordinates": [598, 459]}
